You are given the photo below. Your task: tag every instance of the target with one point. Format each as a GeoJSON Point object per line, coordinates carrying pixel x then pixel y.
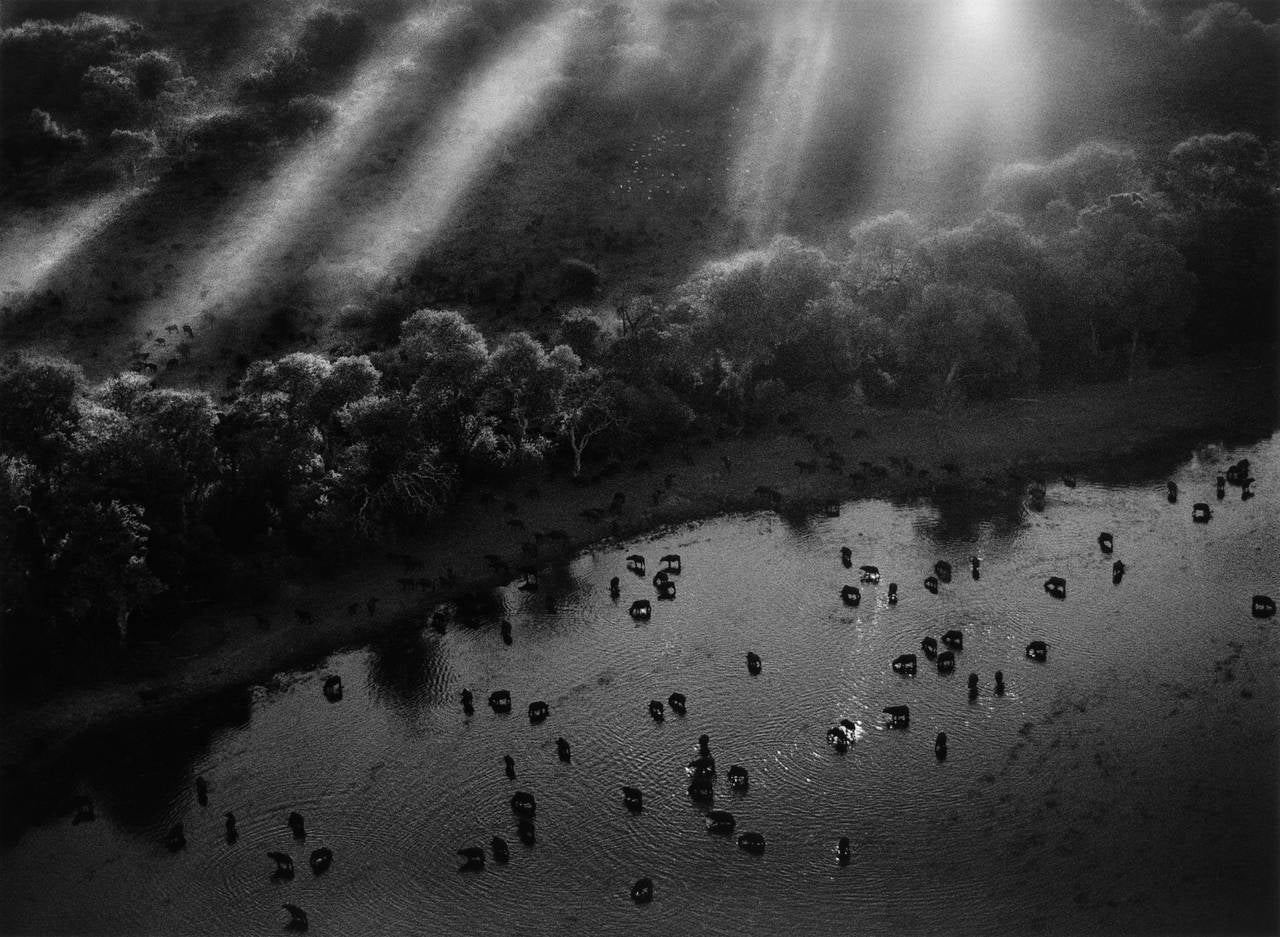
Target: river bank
{"type": "Point", "coordinates": [1084, 430]}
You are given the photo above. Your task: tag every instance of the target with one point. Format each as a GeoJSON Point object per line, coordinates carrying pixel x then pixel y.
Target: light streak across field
{"type": "Point", "coordinates": [764, 175]}
{"type": "Point", "coordinates": [491, 107]}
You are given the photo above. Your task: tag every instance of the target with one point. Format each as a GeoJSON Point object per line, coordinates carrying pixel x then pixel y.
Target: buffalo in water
{"type": "Point", "coordinates": [501, 853]}
{"type": "Point", "coordinates": [297, 918]}
{"type": "Point", "coordinates": [954, 639]}
{"type": "Point", "coordinates": [899, 716]}
{"type": "Point", "coordinates": [905, 664]}
{"type": "Point", "coordinates": [720, 821]}
{"type": "Point", "coordinates": [1056, 586]}
{"type": "Point", "coordinates": [500, 701]}
{"type": "Point", "coordinates": [642, 891]}
{"type": "Point", "coordinates": [632, 799]}
{"type": "Point", "coordinates": [677, 703]}
{"type": "Point", "coordinates": [752, 843]}
{"type": "Point", "coordinates": [1263, 606]}
{"type": "Point", "coordinates": [942, 569]}
{"type": "Point", "coordinates": [320, 860]}
{"type": "Point", "coordinates": [753, 663]}
{"type": "Point", "coordinates": [473, 858]}
{"type": "Point", "coordinates": [1038, 650]}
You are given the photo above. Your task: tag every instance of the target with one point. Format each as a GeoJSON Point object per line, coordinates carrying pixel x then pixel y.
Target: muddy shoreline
{"type": "Point", "coordinates": [1106, 431]}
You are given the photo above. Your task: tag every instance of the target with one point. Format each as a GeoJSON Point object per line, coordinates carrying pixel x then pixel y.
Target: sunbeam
{"type": "Point", "coordinates": [974, 102]}
{"type": "Point", "coordinates": [30, 254]}
{"type": "Point", "coordinates": [306, 187]}
{"type": "Point", "coordinates": [507, 95]}
{"type": "Point", "coordinates": [765, 172]}
{"type": "Point", "coordinates": [33, 251]}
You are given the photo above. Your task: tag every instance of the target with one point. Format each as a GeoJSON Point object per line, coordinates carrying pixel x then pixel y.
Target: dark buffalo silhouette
{"type": "Point", "coordinates": [930, 647]}
{"type": "Point", "coordinates": [946, 661]}
{"type": "Point", "coordinates": [738, 777]}
{"type": "Point", "coordinates": [632, 799]}
{"type": "Point", "coordinates": [1263, 606]}
{"type": "Point", "coordinates": [931, 583]}
{"type": "Point", "coordinates": [1201, 512]}
{"type": "Point", "coordinates": [954, 639]}
{"type": "Point", "coordinates": [284, 865]}
{"type": "Point", "coordinates": [940, 746]}
{"type": "Point", "coordinates": [473, 858]}
{"type": "Point", "coordinates": [642, 891]}
{"type": "Point", "coordinates": [538, 711]}
{"type": "Point", "coordinates": [942, 569]}
{"type": "Point", "coordinates": [500, 701]}
{"type": "Point", "coordinates": [297, 918]}
{"type": "Point", "coordinates": [851, 595]}
{"type": "Point", "coordinates": [677, 703]}
{"type": "Point", "coordinates": [899, 716]}
{"type": "Point", "coordinates": [720, 821]}
{"type": "Point", "coordinates": [905, 664]}
{"type": "Point", "coordinates": [641, 610]}
{"type": "Point", "coordinates": [753, 663]}
{"type": "Point", "coordinates": [1038, 650]}
{"type": "Point", "coordinates": [501, 852]}
{"type": "Point", "coordinates": [752, 843]}
{"type": "Point", "coordinates": [523, 804]}
{"type": "Point", "coordinates": [1056, 586]}
{"type": "Point", "coordinates": [320, 860]}
{"type": "Point", "coordinates": [333, 688]}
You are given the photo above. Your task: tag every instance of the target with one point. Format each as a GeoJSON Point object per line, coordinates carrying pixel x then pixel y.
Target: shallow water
{"type": "Point", "coordinates": [1128, 784]}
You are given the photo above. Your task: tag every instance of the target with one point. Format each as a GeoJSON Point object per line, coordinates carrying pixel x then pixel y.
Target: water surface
{"type": "Point", "coordinates": [1128, 784]}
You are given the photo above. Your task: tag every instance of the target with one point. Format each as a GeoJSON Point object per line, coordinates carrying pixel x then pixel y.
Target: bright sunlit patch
{"type": "Point", "coordinates": [975, 98]}
{"type": "Point", "coordinates": [30, 255]}
{"type": "Point", "coordinates": [305, 188]}
{"type": "Point", "coordinates": [474, 132]}
{"type": "Point", "coordinates": [767, 168]}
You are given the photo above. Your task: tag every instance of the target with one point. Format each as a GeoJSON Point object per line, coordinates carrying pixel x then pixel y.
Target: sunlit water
{"type": "Point", "coordinates": [1127, 784]}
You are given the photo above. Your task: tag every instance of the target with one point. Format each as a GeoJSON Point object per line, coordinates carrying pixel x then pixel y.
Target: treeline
{"type": "Point", "coordinates": [122, 503]}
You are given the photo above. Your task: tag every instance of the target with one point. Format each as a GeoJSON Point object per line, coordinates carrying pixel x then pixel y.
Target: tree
{"type": "Point", "coordinates": [746, 306]}
{"type": "Point", "coordinates": [1127, 281]}
{"type": "Point", "coordinates": [958, 333]}
{"type": "Point", "coordinates": [39, 406]}
{"type": "Point", "coordinates": [588, 407]}
{"type": "Point", "coordinates": [524, 382]}
{"type": "Point", "coordinates": [388, 474]}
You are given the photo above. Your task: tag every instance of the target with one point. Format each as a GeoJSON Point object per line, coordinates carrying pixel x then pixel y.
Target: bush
{"type": "Point", "coordinates": [151, 72]}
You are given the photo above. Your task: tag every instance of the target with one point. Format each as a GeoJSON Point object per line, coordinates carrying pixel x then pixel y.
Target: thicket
{"type": "Point", "coordinates": [122, 503]}
{"type": "Point", "coordinates": [93, 100]}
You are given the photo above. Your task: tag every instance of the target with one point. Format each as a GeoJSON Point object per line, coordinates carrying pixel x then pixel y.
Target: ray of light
{"type": "Point", "coordinates": [304, 189]}
{"type": "Point", "coordinates": [974, 101]}
{"type": "Point", "coordinates": [33, 250]}
{"type": "Point", "coordinates": [765, 172]}
{"type": "Point", "coordinates": [506, 96]}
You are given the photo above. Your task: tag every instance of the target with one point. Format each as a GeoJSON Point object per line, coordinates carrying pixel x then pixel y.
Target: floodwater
{"type": "Point", "coordinates": [1127, 784]}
